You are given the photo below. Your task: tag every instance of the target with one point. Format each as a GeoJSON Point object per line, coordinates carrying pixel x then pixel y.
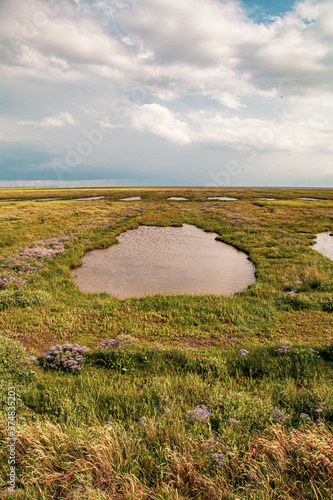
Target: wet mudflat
{"type": "Point", "coordinates": [152, 259]}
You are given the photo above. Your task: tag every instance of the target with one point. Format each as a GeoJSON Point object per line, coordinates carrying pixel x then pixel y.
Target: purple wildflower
{"type": "Point", "coordinates": [200, 413]}
{"type": "Point", "coordinates": [219, 457]}
{"type": "Point", "coordinates": [212, 441]}
{"type": "Point", "coordinates": [66, 357]}
{"type": "Point", "coordinates": [284, 349]}
{"type": "Point", "coordinates": [305, 416]}
{"type": "Point", "coordinates": [278, 415]}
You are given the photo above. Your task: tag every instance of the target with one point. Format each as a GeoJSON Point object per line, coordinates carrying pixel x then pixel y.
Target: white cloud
{"type": "Point", "coordinates": [60, 120]}
{"type": "Point", "coordinates": [160, 121]}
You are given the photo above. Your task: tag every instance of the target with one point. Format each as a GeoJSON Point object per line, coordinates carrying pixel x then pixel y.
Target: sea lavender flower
{"type": "Point", "coordinates": [121, 343]}
{"type": "Point", "coordinates": [66, 357]}
{"type": "Point", "coordinates": [243, 352]}
{"type": "Point", "coordinates": [314, 351]}
{"type": "Point", "coordinates": [284, 349]}
{"type": "Point", "coordinates": [278, 415]}
{"type": "Point", "coordinates": [305, 416]}
{"type": "Point", "coordinates": [212, 441]}
{"type": "Point", "coordinates": [200, 413]}
{"type": "Point", "coordinates": [105, 344]}
{"type": "Point", "coordinates": [219, 457]}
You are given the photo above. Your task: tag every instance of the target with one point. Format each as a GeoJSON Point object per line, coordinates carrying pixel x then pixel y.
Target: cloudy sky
{"type": "Point", "coordinates": [166, 92]}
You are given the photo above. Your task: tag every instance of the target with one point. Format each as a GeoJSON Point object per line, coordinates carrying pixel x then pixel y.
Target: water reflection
{"type": "Point", "coordinates": [222, 198]}
{"type": "Point", "coordinates": [131, 198]}
{"type": "Point", "coordinates": [177, 198]}
{"type": "Point", "coordinates": [154, 259]}
{"type": "Point", "coordinates": [91, 198]}
{"type": "Point", "coordinates": [324, 245]}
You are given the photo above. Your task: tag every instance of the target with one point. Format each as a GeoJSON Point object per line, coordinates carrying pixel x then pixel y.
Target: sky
{"type": "Point", "coordinates": [166, 92]}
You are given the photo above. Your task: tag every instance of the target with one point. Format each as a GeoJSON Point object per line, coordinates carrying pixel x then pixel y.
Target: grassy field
{"type": "Point", "coordinates": [201, 397]}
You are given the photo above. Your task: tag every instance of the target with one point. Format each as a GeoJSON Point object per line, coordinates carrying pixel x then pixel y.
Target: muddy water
{"type": "Point", "coordinates": [154, 259]}
{"type": "Point", "coordinates": [324, 245]}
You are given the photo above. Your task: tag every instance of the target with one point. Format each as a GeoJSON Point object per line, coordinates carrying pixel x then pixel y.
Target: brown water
{"type": "Point", "coordinates": [154, 259]}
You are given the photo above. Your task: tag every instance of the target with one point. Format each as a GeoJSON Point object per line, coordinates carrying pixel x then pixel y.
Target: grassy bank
{"type": "Point", "coordinates": [257, 361]}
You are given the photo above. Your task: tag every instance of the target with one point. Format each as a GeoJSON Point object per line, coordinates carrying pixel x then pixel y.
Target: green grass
{"type": "Point", "coordinates": [150, 448]}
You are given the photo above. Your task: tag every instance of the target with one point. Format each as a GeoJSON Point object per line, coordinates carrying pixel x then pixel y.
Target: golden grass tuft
{"type": "Point", "coordinates": [295, 461]}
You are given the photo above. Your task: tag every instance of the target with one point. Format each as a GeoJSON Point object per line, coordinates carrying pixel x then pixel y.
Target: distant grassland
{"type": "Point", "coordinates": [151, 449]}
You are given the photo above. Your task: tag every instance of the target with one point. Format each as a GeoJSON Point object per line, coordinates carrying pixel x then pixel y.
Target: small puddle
{"type": "Point", "coordinates": [154, 259]}
{"type": "Point", "coordinates": [324, 245]}
{"type": "Point", "coordinates": [311, 199]}
{"type": "Point", "coordinates": [222, 198]}
{"type": "Point", "coordinates": [44, 199]}
{"type": "Point", "coordinates": [177, 198]}
{"type": "Point", "coordinates": [131, 198]}
{"type": "Point", "coordinates": [87, 199]}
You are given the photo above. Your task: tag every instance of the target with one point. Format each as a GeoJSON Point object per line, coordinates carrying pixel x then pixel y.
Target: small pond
{"type": "Point", "coordinates": [131, 198]}
{"type": "Point", "coordinates": [311, 199]}
{"type": "Point", "coordinates": [154, 259]}
{"type": "Point", "coordinates": [177, 198]}
{"type": "Point", "coordinates": [91, 198]}
{"type": "Point", "coordinates": [222, 198]}
{"type": "Point", "coordinates": [324, 245]}
{"type": "Point", "coordinates": [44, 199]}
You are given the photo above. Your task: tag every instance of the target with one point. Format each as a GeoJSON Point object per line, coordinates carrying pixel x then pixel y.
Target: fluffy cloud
{"type": "Point", "coordinates": [50, 121]}
{"type": "Point", "coordinates": [160, 121]}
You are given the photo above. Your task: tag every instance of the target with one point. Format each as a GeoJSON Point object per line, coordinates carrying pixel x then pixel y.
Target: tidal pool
{"type": "Point", "coordinates": [177, 198]}
{"type": "Point", "coordinates": [222, 198]}
{"type": "Point", "coordinates": [311, 199]}
{"type": "Point", "coordinates": [91, 198]}
{"type": "Point", "coordinates": [154, 259]}
{"type": "Point", "coordinates": [44, 199]}
{"type": "Point", "coordinates": [324, 245]}
{"type": "Point", "coordinates": [131, 198]}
